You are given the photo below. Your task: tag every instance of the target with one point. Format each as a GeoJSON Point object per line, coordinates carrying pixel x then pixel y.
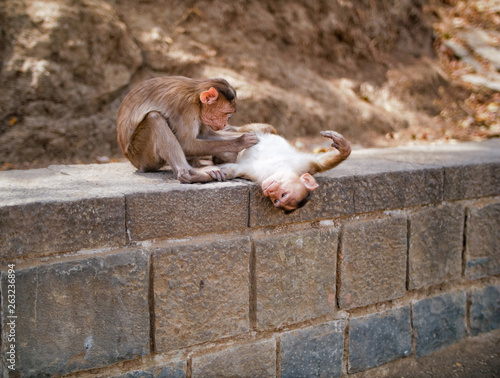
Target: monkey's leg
{"type": "Point", "coordinates": [154, 143]}
{"type": "Point", "coordinates": [226, 157]}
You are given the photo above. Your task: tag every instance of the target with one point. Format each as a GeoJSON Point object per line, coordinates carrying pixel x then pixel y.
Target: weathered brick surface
{"type": "Point", "coordinates": [482, 241]}
{"type": "Point", "coordinates": [438, 322]}
{"type": "Point", "coordinates": [394, 190]}
{"type": "Point", "coordinates": [313, 351]}
{"type": "Point", "coordinates": [373, 264]}
{"type": "Point", "coordinates": [376, 339]}
{"type": "Point", "coordinates": [42, 211]}
{"type": "Point", "coordinates": [485, 310]}
{"type": "Point", "coordinates": [168, 370]}
{"type": "Point", "coordinates": [187, 210]}
{"type": "Point", "coordinates": [250, 360]}
{"type": "Point", "coordinates": [333, 198]}
{"type": "Point", "coordinates": [435, 250]}
{"type": "Point", "coordinates": [41, 228]}
{"type": "Point", "coordinates": [93, 310]}
{"type": "Point", "coordinates": [474, 180]}
{"type": "Point", "coordinates": [295, 276]}
{"type": "Point", "coordinates": [381, 183]}
{"type": "Point", "coordinates": [470, 169]}
{"type": "Point", "coordinates": [80, 314]}
{"type": "Point", "coordinates": [201, 292]}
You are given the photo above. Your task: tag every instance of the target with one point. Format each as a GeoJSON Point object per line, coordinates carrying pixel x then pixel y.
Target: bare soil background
{"type": "Point", "coordinates": [383, 72]}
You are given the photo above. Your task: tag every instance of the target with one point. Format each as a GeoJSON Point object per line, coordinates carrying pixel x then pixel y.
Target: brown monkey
{"type": "Point", "coordinates": [285, 174]}
{"type": "Point", "coordinates": [165, 119]}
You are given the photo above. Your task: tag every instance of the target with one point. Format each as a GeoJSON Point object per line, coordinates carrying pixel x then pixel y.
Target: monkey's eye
{"type": "Point", "coordinates": [284, 195]}
{"type": "Point", "coordinates": [276, 201]}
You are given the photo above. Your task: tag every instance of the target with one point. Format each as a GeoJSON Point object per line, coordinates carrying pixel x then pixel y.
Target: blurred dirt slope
{"type": "Point", "coordinates": [381, 72]}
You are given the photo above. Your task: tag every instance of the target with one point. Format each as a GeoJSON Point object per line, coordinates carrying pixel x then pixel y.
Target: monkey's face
{"type": "Point", "coordinates": [287, 190]}
{"type": "Point", "coordinates": [217, 114]}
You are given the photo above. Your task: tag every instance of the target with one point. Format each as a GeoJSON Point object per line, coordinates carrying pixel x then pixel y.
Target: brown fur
{"type": "Point", "coordinates": [162, 120]}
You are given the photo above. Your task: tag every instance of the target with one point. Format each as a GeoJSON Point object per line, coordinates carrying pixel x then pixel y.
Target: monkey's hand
{"type": "Point", "coordinates": [246, 140]}
{"type": "Point", "coordinates": [339, 142]}
{"type": "Point", "coordinates": [205, 174]}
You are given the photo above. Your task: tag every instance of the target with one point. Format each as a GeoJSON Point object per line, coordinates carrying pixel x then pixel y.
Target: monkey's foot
{"type": "Point", "coordinates": [205, 174]}
{"type": "Point", "coordinates": [339, 142]}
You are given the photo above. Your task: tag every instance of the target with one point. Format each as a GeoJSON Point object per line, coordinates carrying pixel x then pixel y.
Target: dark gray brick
{"type": "Point", "coordinates": [472, 180]}
{"type": "Point", "coordinates": [295, 276]}
{"type": "Point", "coordinates": [41, 228]}
{"type": "Point", "coordinates": [201, 291]}
{"type": "Point", "coordinates": [393, 190]}
{"type": "Point", "coordinates": [168, 370]}
{"type": "Point", "coordinates": [42, 211]}
{"type": "Point", "coordinates": [187, 210]}
{"type": "Point", "coordinates": [482, 237]}
{"type": "Point", "coordinates": [80, 314]}
{"type": "Point", "coordinates": [380, 183]}
{"type": "Point", "coordinates": [373, 264]}
{"type": "Point", "coordinates": [435, 250]}
{"type": "Point", "coordinates": [376, 339]}
{"type": "Point", "coordinates": [313, 351]}
{"type": "Point", "coordinates": [249, 360]}
{"type": "Point", "coordinates": [333, 198]}
{"type": "Point", "coordinates": [438, 322]}
{"type": "Point", "coordinates": [485, 310]}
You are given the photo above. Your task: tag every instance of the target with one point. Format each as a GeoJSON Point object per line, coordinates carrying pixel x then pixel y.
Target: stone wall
{"type": "Point", "coordinates": [123, 274]}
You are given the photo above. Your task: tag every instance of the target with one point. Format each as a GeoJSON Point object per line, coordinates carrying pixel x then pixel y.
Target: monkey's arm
{"type": "Point", "coordinates": [211, 144]}
{"type": "Point", "coordinates": [332, 158]}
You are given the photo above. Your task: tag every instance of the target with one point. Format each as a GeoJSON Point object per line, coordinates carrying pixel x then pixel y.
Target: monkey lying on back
{"type": "Point", "coordinates": [284, 173]}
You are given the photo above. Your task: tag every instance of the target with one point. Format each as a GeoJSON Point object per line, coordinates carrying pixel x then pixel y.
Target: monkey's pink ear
{"type": "Point", "coordinates": [309, 181]}
{"type": "Point", "coordinates": [210, 96]}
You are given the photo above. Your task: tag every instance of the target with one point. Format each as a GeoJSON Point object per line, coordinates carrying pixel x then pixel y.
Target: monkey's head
{"type": "Point", "coordinates": [287, 190]}
{"type": "Point", "coordinates": [218, 103]}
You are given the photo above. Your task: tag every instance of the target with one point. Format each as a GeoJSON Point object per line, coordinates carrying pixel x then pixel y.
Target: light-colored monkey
{"type": "Point", "coordinates": [284, 173]}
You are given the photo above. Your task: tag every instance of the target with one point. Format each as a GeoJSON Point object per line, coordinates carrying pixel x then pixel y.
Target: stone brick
{"type": "Point", "coordinates": [41, 228]}
{"type": "Point", "coordinates": [250, 360]}
{"type": "Point", "coordinates": [435, 250]}
{"type": "Point", "coordinates": [42, 211]}
{"type": "Point", "coordinates": [313, 351]}
{"type": "Point", "coordinates": [472, 180]}
{"type": "Point", "coordinates": [470, 169]}
{"type": "Point", "coordinates": [168, 370]}
{"type": "Point", "coordinates": [201, 292]}
{"type": "Point", "coordinates": [438, 322]}
{"type": "Point", "coordinates": [393, 190]}
{"type": "Point", "coordinates": [333, 198]}
{"type": "Point", "coordinates": [187, 210]}
{"type": "Point", "coordinates": [380, 183]}
{"type": "Point", "coordinates": [373, 263]}
{"type": "Point", "coordinates": [376, 339]}
{"type": "Point", "coordinates": [80, 314]}
{"type": "Point", "coordinates": [485, 310]}
{"type": "Point", "coordinates": [295, 276]}
{"type": "Point", "coordinates": [482, 238]}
